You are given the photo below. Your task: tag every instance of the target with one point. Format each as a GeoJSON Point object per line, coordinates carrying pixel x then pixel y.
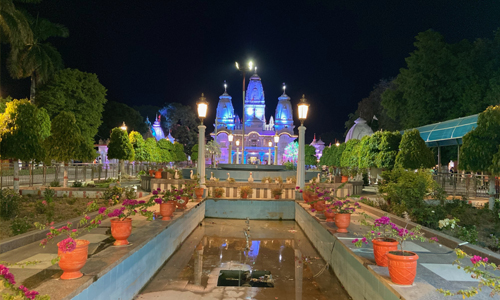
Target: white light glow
{"type": "Point", "coordinates": [237, 65]}
{"type": "Point", "coordinates": [250, 65]}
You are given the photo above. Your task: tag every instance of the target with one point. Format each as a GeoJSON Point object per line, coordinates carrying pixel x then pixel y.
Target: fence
{"type": "Point", "coordinates": [468, 185]}
{"type": "Point", "coordinates": [30, 174]}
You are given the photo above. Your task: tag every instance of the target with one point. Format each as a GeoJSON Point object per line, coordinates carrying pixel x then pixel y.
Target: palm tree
{"type": "Point", "coordinates": [213, 151]}
{"type": "Point", "coordinates": [37, 60]}
{"type": "Point", "coordinates": [14, 27]}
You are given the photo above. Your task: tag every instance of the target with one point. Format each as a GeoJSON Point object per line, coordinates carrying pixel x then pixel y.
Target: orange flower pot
{"type": "Point", "coordinates": [158, 174]}
{"type": "Point", "coordinates": [380, 248]}
{"type": "Point", "coordinates": [151, 172]}
{"type": "Point", "coordinates": [72, 262]}
{"type": "Point", "coordinates": [402, 268]}
{"type": "Point", "coordinates": [342, 221]}
{"type": "Point", "coordinates": [199, 194]}
{"type": "Point", "coordinates": [319, 206]}
{"type": "Point", "coordinates": [244, 196]}
{"type": "Point", "coordinates": [183, 205]}
{"type": "Point", "coordinates": [344, 179]}
{"type": "Point", "coordinates": [121, 230]}
{"type": "Point", "coordinates": [330, 216]}
{"type": "Point", "coordinates": [306, 196]}
{"type": "Point", "coordinates": [167, 210]}
{"type": "Point", "coordinates": [276, 196]}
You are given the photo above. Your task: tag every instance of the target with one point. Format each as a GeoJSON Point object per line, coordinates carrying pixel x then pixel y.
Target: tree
{"type": "Point", "coordinates": [194, 153]}
{"type": "Point", "coordinates": [66, 142]}
{"type": "Point", "coordinates": [37, 59]}
{"type": "Point", "coordinates": [480, 151]}
{"type": "Point", "coordinates": [139, 145]}
{"type": "Point", "coordinates": [23, 128]}
{"type": "Point", "coordinates": [368, 150]}
{"type": "Point", "coordinates": [14, 28]}
{"type": "Point", "coordinates": [310, 155]}
{"type": "Point", "coordinates": [183, 123]}
{"type": "Point", "coordinates": [413, 153]}
{"type": "Point", "coordinates": [291, 152]}
{"type": "Point", "coordinates": [350, 156]}
{"type": "Point", "coordinates": [326, 156]}
{"type": "Point", "coordinates": [213, 151]}
{"type": "Point", "coordinates": [115, 114]}
{"type": "Point", "coordinates": [119, 147]}
{"type": "Point", "coordinates": [77, 92]}
{"type": "Point", "coordinates": [165, 151]}
{"type": "Point", "coordinates": [152, 150]}
{"type": "Point", "coordinates": [179, 154]}
{"type": "Point", "coordinates": [388, 149]}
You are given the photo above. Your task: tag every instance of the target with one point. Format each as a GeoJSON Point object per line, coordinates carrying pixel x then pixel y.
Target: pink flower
{"type": "Point", "coordinates": [44, 202]}
{"type": "Point", "coordinates": [355, 240]}
{"type": "Point", "coordinates": [364, 240]}
{"type": "Point", "coordinates": [155, 192]}
{"type": "Point", "coordinates": [90, 203]}
{"type": "Point", "coordinates": [87, 218]}
{"type": "Point", "coordinates": [51, 223]}
{"type": "Point", "coordinates": [67, 245]}
{"type": "Point", "coordinates": [43, 242]}
{"type": "Point", "coordinates": [475, 259]}
{"type": "Point", "coordinates": [74, 230]}
{"type": "Point", "coordinates": [435, 239]}
{"type": "Point", "coordinates": [485, 259]}
{"type": "Point", "coordinates": [300, 191]}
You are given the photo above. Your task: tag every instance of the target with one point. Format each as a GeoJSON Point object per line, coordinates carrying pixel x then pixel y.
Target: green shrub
{"type": "Point", "coordinates": [77, 184]}
{"type": "Point", "coordinates": [20, 225]}
{"type": "Point", "coordinates": [41, 206]}
{"type": "Point", "coordinates": [130, 193]}
{"type": "Point", "coordinates": [9, 203]}
{"type": "Point", "coordinates": [468, 234]}
{"type": "Point", "coordinates": [55, 183]}
{"type": "Point", "coordinates": [113, 194]}
{"type": "Point", "coordinates": [71, 201]}
{"type": "Point", "coordinates": [289, 166]}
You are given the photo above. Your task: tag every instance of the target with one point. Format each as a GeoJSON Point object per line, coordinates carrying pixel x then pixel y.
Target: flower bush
{"type": "Point", "coordinates": [218, 192]}
{"type": "Point", "coordinates": [479, 270]}
{"type": "Point", "coordinates": [173, 194]}
{"type": "Point", "coordinates": [245, 190]}
{"type": "Point", "coordinates": [346, 206]}
{"type": "Point", "coordinates": [20, 292]}
{"type": "Point", "coordinates": [277, 191]}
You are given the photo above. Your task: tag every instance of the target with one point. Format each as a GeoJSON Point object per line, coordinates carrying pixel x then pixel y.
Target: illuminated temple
{"type": "Point", "coordinates": [259, 131]}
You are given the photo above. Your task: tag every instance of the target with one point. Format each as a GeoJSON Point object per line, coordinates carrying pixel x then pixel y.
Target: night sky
{"type": "Point", "coordinates": [155, 52]}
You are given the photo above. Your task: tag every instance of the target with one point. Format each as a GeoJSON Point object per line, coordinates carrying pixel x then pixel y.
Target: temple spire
{"type": "Point", "coordinates": [225, 87]}
{"type": "Point", "coordinates": [284, 88]}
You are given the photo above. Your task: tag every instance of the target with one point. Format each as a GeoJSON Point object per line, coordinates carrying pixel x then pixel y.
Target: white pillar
{"type": "Point", "coordinates": [301, 160]}
{"type": "Point", "coordinates": [269, 160]}
{"type": "Point", "coordinates": [276, 154]}
{"type": "Point", "coordinates": [201, 154]}
{"type": "Point", "coordinates": [230, 160]}
{"type": "Point", "coordinates": [237, 156]}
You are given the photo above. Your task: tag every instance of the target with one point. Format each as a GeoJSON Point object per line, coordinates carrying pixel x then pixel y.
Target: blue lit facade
{"type": "Point", "coordinates": [259, 131]}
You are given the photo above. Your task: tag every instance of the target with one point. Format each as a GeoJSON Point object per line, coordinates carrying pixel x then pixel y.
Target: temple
{"type": "Point", "coordinates": [258, 131]}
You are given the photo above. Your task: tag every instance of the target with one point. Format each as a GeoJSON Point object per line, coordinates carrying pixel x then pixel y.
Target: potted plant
{"type": "Point", "coordinates": [276, 192]}
{"type": "Point", "coordinates": [344, 210]}
{"type": "Point", "coordinates": [198, 190]}
{"type": "Point", "coordinates": [218, 192]}
{"type": "Point", "coordinates": [167, 201]}
{"type": "Point", "coordinates": [266, 179]}
{"type": "Point", "coordinates": [151, 172]}
{"type": "Point", "coordinates": [245, 191]}
{"type": "Point", "coordinates": [187, 194]}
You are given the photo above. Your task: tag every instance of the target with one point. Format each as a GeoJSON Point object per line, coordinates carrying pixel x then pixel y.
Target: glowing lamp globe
{"type": "Point", "coordinates": [123, 127]}
{"type": "Point", "coordinates": [270, 144]}
{"type": "Point", "coordinates": [303, 108]}
{"type": "Point", "coordinates": [276, 138]}
{"type": "Point", "coordinates": [230, 137]}
{"type": "Point", "coordinates": [237, 143]}
{"type": "Point", "coordinates": [202, 107]}
{"type": "Point", "coordinates": [337, 144]}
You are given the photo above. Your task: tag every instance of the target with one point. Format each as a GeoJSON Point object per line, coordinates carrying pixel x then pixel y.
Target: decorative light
{"type": "Point", "coordinates": [202, 107]}
{"type": "Point", "coordinates": [237, 143]}
{"type": "Point", "coordinates": [123, 127]}
{"type": "Point", "coordinates": [237, 65]}
{"type": "Point", "coordinates": [303, 108]}
{"type": "Point", "coordinates": [284, 88]}
{"type": "Point", "coordinates": [270, 144]}
{"type": "Point", "coordinates": [225, 86]}
{"type": "Point", "coordinates": [337, 144]}
{"type": "Point", "coordinates": [250, 65]}
{"type": "Point", "coordinates": [230, 137]}
{"type": "Point", "coordinates": [276, 138]}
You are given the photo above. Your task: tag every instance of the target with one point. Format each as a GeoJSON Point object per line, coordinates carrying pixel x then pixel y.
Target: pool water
{"type": "Point", "coordinates": [218, 261]}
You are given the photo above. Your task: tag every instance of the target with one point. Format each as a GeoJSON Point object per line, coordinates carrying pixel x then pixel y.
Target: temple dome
{"type": "Point", "coordinates": [358, 130]}
{"type": "Point", "coordinates": [284, 113]}
{"type": "Point", "coordinates": [225, 111]}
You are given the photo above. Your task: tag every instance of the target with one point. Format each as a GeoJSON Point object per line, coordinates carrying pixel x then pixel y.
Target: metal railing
{"type": "Point", "coordinates": [31, 174]}
{"type": "Point", "coordinates": [468, 185]}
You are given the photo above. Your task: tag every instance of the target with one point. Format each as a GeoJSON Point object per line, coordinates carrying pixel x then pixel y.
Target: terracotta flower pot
{"type": "Point", "coordinates": [402, 268]}
{"type": "Point", "coordinates": [185, 203]}
{"type": "Point", "coordinates": [344, 179]}
{"type": "Point", "coordinates": [151, 172]}
{"type": "Point", "coordinates": [244, 195]}
{"type": "Point", "coordinates": [380, 248]}
{"type": "Point", "coordinates": [199, 193]}
{"type": "Point", "coordinates": [306, 196]}
{"type": "Point", "coordinates": [276, 196]}
{"type": "Point", "coordinates": [72, 262]}
{"type": "Point", "coordinates": [330, 216]}
{"type": "Point", "coordinates": [121, 230]}
{"type": "Point", "coordinates": [319, 206]}
{"type": "Point", "coordinates": [313, 198]}
{"type": "Point", "coordinates": [158, 174]}
{"type": "Point", "coordinates": [342, 221]}
{"type": "Point", "coordinates": [167, 210]}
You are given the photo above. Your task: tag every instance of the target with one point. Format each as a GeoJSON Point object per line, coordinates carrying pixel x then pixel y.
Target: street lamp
{"type": "Point", "coordinates": [202, 114]}
{"type": "Point", "coordinates": [237, 152]}
{"type": "Point", "coordinates": [123, 127]}
{"type": "Point", "coordinates": [303, 107]}
{"type": "Point", "coordinates": [243, 72]}
{"type": "Point", "coordinates": [337, 144]}
{"type": "Point", "coordinates": [276, 140]}
{"type": "Point", "coordinates": [270, 147]}
{"type": "Point", "coordinates": [230, 139]}
{"type": "Point", "coordinates": [120, 162]}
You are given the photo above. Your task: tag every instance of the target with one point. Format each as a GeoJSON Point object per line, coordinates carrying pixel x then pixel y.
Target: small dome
{"type": "Point", "coordinates": [358, 130]}
{"type": "Point", "coordinates": [284, 113]}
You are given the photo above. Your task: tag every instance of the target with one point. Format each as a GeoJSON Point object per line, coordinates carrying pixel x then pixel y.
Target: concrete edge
{"type": "Point", "coordinates": [444, 239]}
{"type": "Point", "coordinates": [358, 266]}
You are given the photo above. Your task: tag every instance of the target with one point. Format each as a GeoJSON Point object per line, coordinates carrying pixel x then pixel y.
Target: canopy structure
{"type": "Point", "coordinates": [447, 133]}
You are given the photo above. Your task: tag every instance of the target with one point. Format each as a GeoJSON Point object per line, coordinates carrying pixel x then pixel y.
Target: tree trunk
{"type": "Point", "coordinates": [492, 191]}
{"type": "Point", "coordinates": [16, 176]}
{"type": "Point", "coordinates": [65, 180]}
{"type": "Point", "coordinates": [122, 167]}
{"type": "Point", "coordinates": [33, 88]}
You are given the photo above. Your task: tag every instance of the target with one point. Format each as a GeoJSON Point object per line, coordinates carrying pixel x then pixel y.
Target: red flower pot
{"type": "Point", "coordinates": [402, 268]}
{"type": "Point", "coordinates": [158, 174]}
{"type": "Point", "coordinates": [319, 206]}
{"type": "Point", "coordinates": [306, 196]}
{"type": "Point", "coordinates": [313, 198]}
{"type": "Point", "coordinates": [72, 262]}
{"type": "Point", "coordinates": [330, 216]}
{"type": "Point", "coordinates": [276, 196]}
{"type": "Point", "coordinates": [121, 230]}
{"type": "Point", "coordinates": [167, 210]}
{"type": "Point", "coordinates": [244, 195]}
{"type": "Point", "coordinates": [380, 248]}
{"type": "Point", "coordinates": [184, 204]}
{"type": "Point", "coordinates": [199, 194]}
{"type": "Point", "coordinates": [151, 172]}
{"type": "Point", "coordinates": [344, 179]}
{"type": "Point", "coordinates": [342, 221]}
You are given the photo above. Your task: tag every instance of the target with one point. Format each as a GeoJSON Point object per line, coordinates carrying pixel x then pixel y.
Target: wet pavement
{"type": "Point", "coordinates": [280, 247]}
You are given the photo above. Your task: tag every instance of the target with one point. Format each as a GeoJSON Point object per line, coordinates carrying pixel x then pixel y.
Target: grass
{"type": "Point", "coordinates": [65, 208]}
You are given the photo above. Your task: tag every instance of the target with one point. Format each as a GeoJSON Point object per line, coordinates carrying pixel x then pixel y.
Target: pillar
{"type": "Point", "coordinates": [301, 161]}
{"type": "Point", "coordinates": [201, 154]}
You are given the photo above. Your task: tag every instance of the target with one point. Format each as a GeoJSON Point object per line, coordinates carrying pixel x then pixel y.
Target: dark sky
{"type": "Point", "coordinates": [153, 52]}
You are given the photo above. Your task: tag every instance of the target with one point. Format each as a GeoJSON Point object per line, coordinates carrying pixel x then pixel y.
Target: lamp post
{"type": "Point", "coordinates": [303, 107]}
{"type": "Point", "coordinates": [202, 114]}
{"type": "Point", "coordinates": [270, 147]}
{"type": "Point", "coordinates": [120, 162]}
{"type": "Point", "coordinates": [237, 152]}
{"type": "Point", "coordinates": [276, 140]}
{"type": "Point", "coordinates": [230, 139]}
{"type": "Point", "coordinates": [243, 71]}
